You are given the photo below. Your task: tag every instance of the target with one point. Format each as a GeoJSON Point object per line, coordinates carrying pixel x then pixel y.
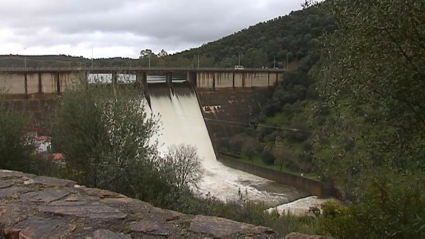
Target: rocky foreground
{"type": "Point", "coordinates": [42, 207]}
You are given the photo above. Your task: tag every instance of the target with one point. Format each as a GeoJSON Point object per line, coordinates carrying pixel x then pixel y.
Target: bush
{"type": "Point", "coordinates": [299, 132]}
{"type": "Point", "coordinates": [307, 146]}
{"type": "Point", "coordinates": [16, 145]}
{"type": "Point", "coordinates": [243, 211]}
{"type": "Point", "coordinates": [236, 143]}
{"type": "Point", "coordinates": [386, 210]}
{"type": "Point", "coordinates": [182, 166]}
{"type": "Point", "coordinates": [323, 110]}
{"type": "Point", "coordinates": [268, 157]}
{"type": "Point", "coordinates": [103, 132]}
{"type": "Point", "coordinates": [105, 136]}
{"type": "Point", "coordinates": [250, 147]}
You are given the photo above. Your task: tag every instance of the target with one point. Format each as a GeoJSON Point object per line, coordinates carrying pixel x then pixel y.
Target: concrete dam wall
{"type": "Point", "coordinates": [228, 112]}
{"type": "Point", "coordinates": [204, 110]}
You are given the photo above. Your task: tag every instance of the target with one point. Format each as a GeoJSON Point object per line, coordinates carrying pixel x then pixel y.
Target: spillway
{"type": "Point", "coordinates": [182, 122]}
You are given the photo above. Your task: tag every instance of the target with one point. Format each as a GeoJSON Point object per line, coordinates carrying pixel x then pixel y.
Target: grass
{"type": "Point", "coordinates": [247, 212]}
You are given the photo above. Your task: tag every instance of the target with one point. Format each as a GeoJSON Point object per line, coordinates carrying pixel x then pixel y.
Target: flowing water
{"type": "Point", "coordinates": [182, 122]}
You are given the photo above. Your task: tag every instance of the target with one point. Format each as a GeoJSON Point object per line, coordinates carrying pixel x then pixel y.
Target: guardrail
{"type": "Point", "coordinates": [129, 69]}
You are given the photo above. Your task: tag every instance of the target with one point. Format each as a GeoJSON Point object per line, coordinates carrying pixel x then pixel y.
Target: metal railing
{"type": "Point", "coordinates": [121, 69]}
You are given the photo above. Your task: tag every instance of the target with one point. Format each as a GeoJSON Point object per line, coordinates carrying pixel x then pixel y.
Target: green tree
{"type": "Point", "coordinates": [162, 53]}
{"type": "Point", "coordinates": [104, 134]}
{"type": "Point", "coordinates": [390, 209]}
{"type": "Point", "coordinates": [375, 60]}
{"type": "Point", "coordinates": [146, 53]}
{"type": "Point", "coordinates": [250, 148]}
{"type": "Point", "coordinates": [16, 145]}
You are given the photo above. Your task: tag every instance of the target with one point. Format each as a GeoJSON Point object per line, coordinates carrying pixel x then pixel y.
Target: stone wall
{"type": "Point", "coordinates": [308, 185]}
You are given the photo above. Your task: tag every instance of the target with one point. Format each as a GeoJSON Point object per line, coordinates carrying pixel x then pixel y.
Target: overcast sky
{"type": "Point", "coordinates": [124, 27]}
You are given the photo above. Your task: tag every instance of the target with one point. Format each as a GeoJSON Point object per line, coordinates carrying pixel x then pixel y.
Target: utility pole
{"type": "Point", "coordinates": [92, 58]}
{"type": "Point", "coordinates": [25, 57]}
{"type": "Point", "coordinates": [198, 59]}
{"type": "Point", "coordinates": [239, 59]}
{"type": "Point", "coordinates": [274, 63]}
{"type": "Point", "coordinates": [149, 60]}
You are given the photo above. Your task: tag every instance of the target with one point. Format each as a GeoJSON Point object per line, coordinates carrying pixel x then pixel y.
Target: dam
{"type": "Point", "coordinates": [183, 123]}
{"type": "Point", "coordinates": [197, 106]}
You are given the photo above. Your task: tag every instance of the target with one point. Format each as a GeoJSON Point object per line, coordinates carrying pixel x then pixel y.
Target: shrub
{"type": "Point", "coordinates": [16, 145]}
{"type": "Point", "coordinates": [105, 135]}
{"type": "Point", "coordinates": [268, 157]}
{"type": "Point", "coordinates": [250, 147]}
{"type": "Point", "coordinates": [182, 166]}
{"type": "Point", "coordinates": [236, 143]}
{"type": "Point", "coordinates": [299, 132]}
{"type": "Point", "coordinates": [386, 210]}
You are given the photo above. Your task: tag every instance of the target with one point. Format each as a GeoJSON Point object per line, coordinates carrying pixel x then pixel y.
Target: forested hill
{"type": "Point", "coordinates": [285, 38]}
{"type": "Point", "coordinates": [60, 61]}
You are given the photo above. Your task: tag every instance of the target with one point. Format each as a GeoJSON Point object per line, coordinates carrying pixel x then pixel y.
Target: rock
{"type": "Point", "coordinates": [172, 216]}
{"type": "Point", "coordinates": [2, 210]}
{"type": "Point", "coordinates": [224, 228]}
{"type": "Point", "coordinates": [147, 227]}
{"type": "Point", "coordinates": [106, 234]}
{"type": "Point", "coordinates": [52, 181]}
{"type": "Point", "coordinates": [13, 191]}
{"type": "Point", "coordinates": [10, 214]}
{"type": "Point", "coordinates": [90, 210]}
{"type": "Point", "coordinates": [43, 207]}
{"type": "Point", "coordinates": [45, 196]}
{"type": "Point", "coordinates": [39, 227]}
{"type": "Point", "coordinates": [5, 184]}
{"type": "Point", "coordinates": [296, 235]}
{"type": "Point", "coordinates": [13, 174]}
{"type": "Point", "coordinates": [102, 193]}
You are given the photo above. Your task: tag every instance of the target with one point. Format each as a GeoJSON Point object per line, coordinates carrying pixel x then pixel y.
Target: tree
{"type": "Point", "coordinates": [162, 53]}
{"type": "Point", "coordinates": [104, 134]}
{"type": "Point", "coordinates": [268, 157]}
{"type": "Point", "coordinates": [236, 143]}
{"type": "Point", "coordinates": [281, 153]}
{"type": "Point", "coordinates": [16, 145]}
{"type": "Point", "coordinates": [376, 61]}
{"type": "Point", "coordinates": [391, 211]}
{"type": "Point", "coordinates": [183, 165]}
{"type": "Point", "coordinates": [146, 53]}
{"type": "Point", "coordinates": [250, 147]}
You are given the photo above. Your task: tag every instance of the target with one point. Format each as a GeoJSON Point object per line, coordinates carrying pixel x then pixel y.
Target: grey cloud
{"type": "Point", "coordinates": [168, 24]}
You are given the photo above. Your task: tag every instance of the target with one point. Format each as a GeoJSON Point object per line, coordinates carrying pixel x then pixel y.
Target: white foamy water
{"type": "Point", "coordinates": [301, 206]}
{"type": "Point", "coordinates": [183, 123]}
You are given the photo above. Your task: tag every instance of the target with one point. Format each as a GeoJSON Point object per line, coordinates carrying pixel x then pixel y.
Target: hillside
{"type": "Point", "coordinates": [285, 38]}
{"type": "Point", "coordinates": [276, 42]}
{"type": "Point", "coordinates": [59, 61]}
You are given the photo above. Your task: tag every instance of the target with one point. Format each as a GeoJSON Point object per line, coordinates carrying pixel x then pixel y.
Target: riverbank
{"type": "Point", "coordinates": [300, 207]}
{"type": "Point", "coordinates": [311, 186]}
